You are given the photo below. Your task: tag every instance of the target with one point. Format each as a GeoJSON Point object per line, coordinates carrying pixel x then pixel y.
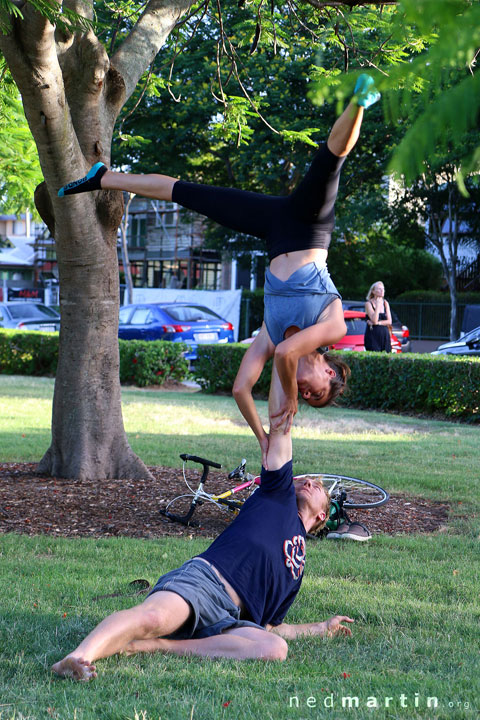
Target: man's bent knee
{"type": "Point", "coordinates": [277, 648]}
{"type": "Point", "coordinates": [162, 613]}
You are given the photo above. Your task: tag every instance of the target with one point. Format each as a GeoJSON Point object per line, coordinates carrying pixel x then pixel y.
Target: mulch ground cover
{"type": "Point", "coordinates": [35, 505]}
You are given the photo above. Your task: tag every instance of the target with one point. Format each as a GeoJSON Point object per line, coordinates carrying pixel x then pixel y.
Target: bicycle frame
{"type": "Point", "coordinates": [341, 489]}
{"type": "Point", "coordinates": [200, 496]}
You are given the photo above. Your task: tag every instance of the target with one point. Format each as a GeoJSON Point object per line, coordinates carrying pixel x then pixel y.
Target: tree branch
{"type": "Point", "coordinates": [348, 3]}
{"type": "Point", "coordinates": [147, 37]}
{"type": "Point", "coordinates": [31, 55]}
{"type": "Point", "coordinates": [84, 8]}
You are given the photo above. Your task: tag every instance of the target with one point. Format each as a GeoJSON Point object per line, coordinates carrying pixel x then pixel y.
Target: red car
{"type": "Point", "coordinates": [356, 323]}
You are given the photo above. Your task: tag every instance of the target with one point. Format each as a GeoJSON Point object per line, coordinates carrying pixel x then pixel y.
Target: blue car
{"type": "Point", "coordinates": [177, 322]}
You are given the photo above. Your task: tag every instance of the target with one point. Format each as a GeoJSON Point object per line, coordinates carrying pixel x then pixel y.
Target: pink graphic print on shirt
{"type": "Point", "coordinates": [294, 551]}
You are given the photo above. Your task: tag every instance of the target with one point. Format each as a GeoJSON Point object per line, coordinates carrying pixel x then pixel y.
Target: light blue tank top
{"type": "Point", "coordinates": [298, 301]}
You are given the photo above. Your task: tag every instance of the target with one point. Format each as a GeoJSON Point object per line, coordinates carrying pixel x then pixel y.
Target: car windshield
{"type": "Point", "coordinates": [124, 315]}
{"type": "Point", "coordinates": [31, 311]}
{"type": "Point", "coordinates": [472, 335]}
{"type": "Point", "coordinates": [355, 326]}
{"type": "Point", "coordinates": [190, 313]}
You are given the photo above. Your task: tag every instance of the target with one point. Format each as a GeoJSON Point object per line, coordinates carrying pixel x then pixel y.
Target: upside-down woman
{"type": "Point", "coordinates": [303, 309]}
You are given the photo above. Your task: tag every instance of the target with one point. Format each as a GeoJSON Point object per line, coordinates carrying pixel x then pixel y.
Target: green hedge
{"type": "Point", "coordinates": [216, 367]}
{"type": "Point", "coordinates": [425, 384]}
{"type": "Point", "coordinates": [151, 363]}
{"type": "Point", "coordinates": [141, 363]}
{"type": "Point", "coordinates": [434, 296]}
{"type": "Point", "coordinates": [28, 353]}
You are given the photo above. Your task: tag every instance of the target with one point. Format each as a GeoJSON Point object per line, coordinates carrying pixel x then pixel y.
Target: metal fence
{"type": "Point", "coordinates": [428, 321]}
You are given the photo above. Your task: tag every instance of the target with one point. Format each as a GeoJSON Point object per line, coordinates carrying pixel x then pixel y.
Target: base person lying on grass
{"type": "Point", "coordinates": [231, 600]}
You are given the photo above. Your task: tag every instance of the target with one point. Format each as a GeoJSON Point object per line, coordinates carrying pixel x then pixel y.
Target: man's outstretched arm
{"type": "Point", "coordinates": [280, 439]}
{"type": "Point", "coordinates": [329, 628]}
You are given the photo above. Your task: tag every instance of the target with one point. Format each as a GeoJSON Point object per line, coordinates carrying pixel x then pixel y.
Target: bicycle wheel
{"type": "Point", "coordinates": [359, 494]}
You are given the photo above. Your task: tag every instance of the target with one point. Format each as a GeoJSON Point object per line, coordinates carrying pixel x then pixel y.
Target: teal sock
{"type": "Point", "coordinates": [90, 182]}
{"type": "Point", "coordinates": [366, 93]}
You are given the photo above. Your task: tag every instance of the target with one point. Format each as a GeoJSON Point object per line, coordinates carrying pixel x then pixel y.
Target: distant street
{"type": "Point", "coordinates": [426, 346]}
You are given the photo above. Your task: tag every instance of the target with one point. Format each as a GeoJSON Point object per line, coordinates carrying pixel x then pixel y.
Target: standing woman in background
{"type": "Point", "coordinates": [379, 322]}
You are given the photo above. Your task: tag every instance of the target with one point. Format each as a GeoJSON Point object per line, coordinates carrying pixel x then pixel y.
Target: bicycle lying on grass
{"type": "Point", "coordinates": [346, 493]}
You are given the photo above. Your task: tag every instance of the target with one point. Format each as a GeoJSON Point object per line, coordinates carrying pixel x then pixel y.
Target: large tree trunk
{"type": "Point", "coordinates": [72, 94]}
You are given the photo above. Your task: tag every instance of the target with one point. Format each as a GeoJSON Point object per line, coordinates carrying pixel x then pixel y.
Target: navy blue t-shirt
{"type": "Point", "coordinates": [262, 553]}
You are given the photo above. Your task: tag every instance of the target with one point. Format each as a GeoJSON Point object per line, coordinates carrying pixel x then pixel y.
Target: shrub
{"type": "Point", "coordinates": [28, 353]}
{"type": "Point", "coordinates": [432, 296]}
{"type": "Point", "coordinates": [151, 363]}
{"type": "Point", "coordinates": [217, 366]}
{"type": "Point", "coordinates": [141, 363]}
{"type": "Point", "coordinates": [430, 384]}
{"type": "Point", "coordinates": [425, 384]}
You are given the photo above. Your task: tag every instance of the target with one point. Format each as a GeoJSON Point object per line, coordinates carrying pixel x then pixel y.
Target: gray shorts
{"type": "Point", "coordinates": [213, 610]}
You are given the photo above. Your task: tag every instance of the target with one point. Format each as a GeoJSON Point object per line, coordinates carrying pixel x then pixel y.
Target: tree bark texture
{"type": "Point", "coordinates": [72, 93]}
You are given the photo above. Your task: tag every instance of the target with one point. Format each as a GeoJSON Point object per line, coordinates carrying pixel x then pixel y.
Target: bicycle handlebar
{"type": "Point", "coordinates": [202, 461]}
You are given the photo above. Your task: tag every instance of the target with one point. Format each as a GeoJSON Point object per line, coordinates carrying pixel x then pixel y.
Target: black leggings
{"type": "Point", "coordinates": [300, 221]}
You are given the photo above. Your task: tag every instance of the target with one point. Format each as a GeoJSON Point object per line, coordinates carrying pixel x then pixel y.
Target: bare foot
{"type": "Point", "coordinates": [75, 668]}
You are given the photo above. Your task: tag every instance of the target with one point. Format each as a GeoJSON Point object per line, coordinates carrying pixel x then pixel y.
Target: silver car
{"type": "Point", "coordinates": [468, 344]}
{"type": "Point", "coordinates": [29, 316]}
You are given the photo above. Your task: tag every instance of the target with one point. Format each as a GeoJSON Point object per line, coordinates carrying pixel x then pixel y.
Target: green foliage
{"type": "Point", "coordinates": [141, 363]}
{"type": "Point", "coordinates": [58, 14]}
{"type": "Point", "coordinates": [19, 166]}
{"type": "Point", "coordinates": [217, 366]}
{"type": "Point", "coordinates": [355, 265]}
{"type": "Point", "coordinates": [151, 363]}
{"type": "Point", "coordinates": [432, 296]}
{"type": "Point", "coordinates": [443, 386]}
{"type": "Point", "coordinates": [28, 353]}
{"type": "Point", "coordinates": [429, 82]}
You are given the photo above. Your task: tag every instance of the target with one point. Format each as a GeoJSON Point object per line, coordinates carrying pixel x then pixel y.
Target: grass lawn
{"type": "Point", "coordinates": [414, 598]}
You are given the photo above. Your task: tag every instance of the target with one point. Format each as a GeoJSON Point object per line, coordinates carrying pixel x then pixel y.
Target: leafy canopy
{"type": "Point", "coordinates": [19, 166]}
{"type": "Point", "coordinates": [433, 90]}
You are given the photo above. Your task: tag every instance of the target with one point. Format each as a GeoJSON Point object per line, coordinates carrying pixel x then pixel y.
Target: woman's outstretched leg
{"type": "Point", "coordinates": [346, 129]}
{"type": "Point", "coordinates": [313, 200]}
{"type": "Point", "coordinates": [99, 177]}
{"type": "Point", "coordinates": [239, 210]}
{"type": "Point", "coordinates": [155, 186]}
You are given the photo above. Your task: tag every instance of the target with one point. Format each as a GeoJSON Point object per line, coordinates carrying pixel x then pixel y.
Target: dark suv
{"type": "Point", "coordinates": [399, 330]}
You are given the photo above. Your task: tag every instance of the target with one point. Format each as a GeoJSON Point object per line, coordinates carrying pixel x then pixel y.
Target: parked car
{"type": "Point", "coordinates": [25, 315]}
{"type": "Point", "coordinates": [177, 322]}
{"type": "Point", "coordinates": [468, 344]}
{"type": "Point", "coordinates": [356, 323]}
{"type": "Point", "coordinates": [400, 331]}
{"type": "Point", "coordinates": [471, 318]}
